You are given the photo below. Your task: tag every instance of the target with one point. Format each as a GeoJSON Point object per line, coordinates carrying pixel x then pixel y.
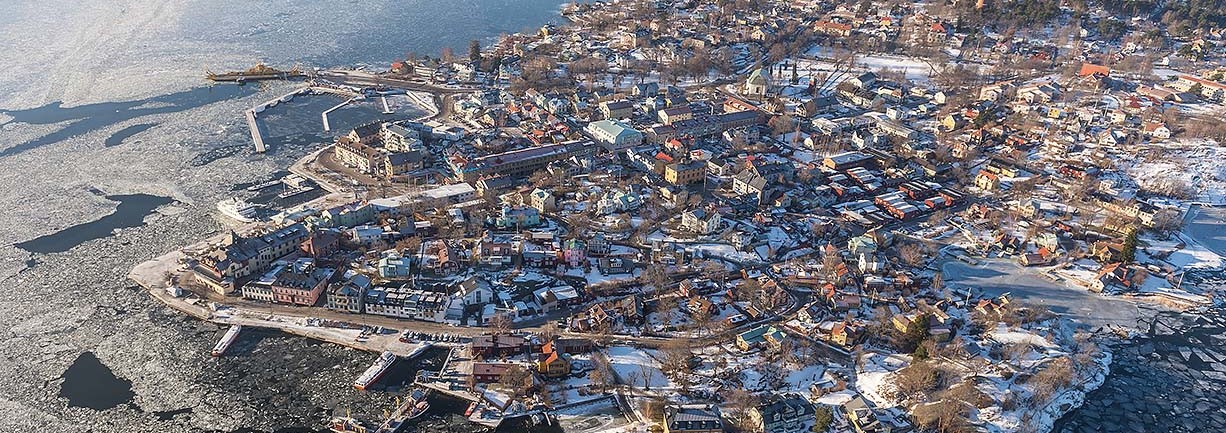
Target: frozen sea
{"type": "Point", "coordinates": [113, 150]}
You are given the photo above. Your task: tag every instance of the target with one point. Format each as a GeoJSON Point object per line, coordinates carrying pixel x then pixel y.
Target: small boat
{"type": "Point", "coordinates": [344, 424]}
{"type": "Point", "coordinates": [262, 185]}
{"type": "Point", "coordinates": [287, 98]}
{"type": "Point", "coordinates": [420, 350]}
{"type": "Point", "coordinates": [471, 407]}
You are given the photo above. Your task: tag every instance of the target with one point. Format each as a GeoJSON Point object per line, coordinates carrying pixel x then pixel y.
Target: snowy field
{"type": "Point", "coordinates": [996, 277]}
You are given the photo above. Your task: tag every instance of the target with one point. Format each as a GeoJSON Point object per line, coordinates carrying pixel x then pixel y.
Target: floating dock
{"type": "Point", "coordinates": [227, 339]}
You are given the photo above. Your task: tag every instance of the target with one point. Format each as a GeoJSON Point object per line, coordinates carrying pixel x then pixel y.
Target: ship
{"type": "Point", "coordinates": [344, 424]}
{"type": "Point", "coordinates": [227, 339]}
{"type": "Point", "coordinates": [239, 210]}
{"type": "Point", "coordinates": [376, 370]}
{"type": "Point", "coordinates": [262, 185]}
{"type": "Point", "coordinates": [414, 407]}
{"type": "Point", "coordinates": [417, 404]}
{"type": "Point", "coordinates": [256, 73]}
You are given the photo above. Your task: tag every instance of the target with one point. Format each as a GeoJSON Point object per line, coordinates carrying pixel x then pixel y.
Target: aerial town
{"type": "Point", "coordinates": [748, 216]}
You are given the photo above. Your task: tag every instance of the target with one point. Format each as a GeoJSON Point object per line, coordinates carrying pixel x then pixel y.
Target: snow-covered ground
{"type": "Point", "coordinates": [999, 276]}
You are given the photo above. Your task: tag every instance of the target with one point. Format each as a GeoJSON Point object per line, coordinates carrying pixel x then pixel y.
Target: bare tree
{"type": "Point", "coordinates": [501, 323]}
{"type": "Point", "coordinates": [601, 375]}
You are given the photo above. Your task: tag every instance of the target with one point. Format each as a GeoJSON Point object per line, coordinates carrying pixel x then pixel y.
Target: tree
{"type": "Point", "coordinates": [823, 417]}
{"type": "Point", "coordinates": [474, 50]}
{"type": "Point", "coordinates": [656, 276]}
{"type": "Point", "coordinates": [666, 306]}
{"type": "Point", "coordinates": [944, 416]}
{"type": "Point", "coordinates": [675, 362]}
{"type": "Point", "coordinates": [1128, 254]}
{"type": "Point", "coordinates": [501, 323]}
{"type": "Point", "coordinates": [912, 253]}
{"type": "Point", "coordinates": [917, 331]}
{"type": "Point", "coordinates": [601, 375]}
{"type": "Point", "coordinates": [1056, 374]}
{"type": "Point", "coordinates": [739, 403]}
{"type": "Point", "coordinates": [1167, 221]}
{"type": "Point", "coordinates": [919, 377]}
{"type": "Point", "coordinates": [712, 269]}
{"type": "Point", "coordinates": [516, 379]}
{"type": "Point", "coordinates": [648, 373]}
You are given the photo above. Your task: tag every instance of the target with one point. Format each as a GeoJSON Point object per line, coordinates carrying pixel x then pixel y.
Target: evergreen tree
{"type": "Point", "coordinates": [474, 50]}
{"type": "Point", "coordinates": [1130, 246]}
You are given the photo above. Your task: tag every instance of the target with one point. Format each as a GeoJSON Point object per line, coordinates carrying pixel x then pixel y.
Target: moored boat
{"type": "Point", "coordinates": [238, 210]}
{"type": "Point", "coordinates": [376, 370]}
{"type": "Point", "coordinates": [226, 340]}
{"type": "Point", "coordinates": [344, 424]}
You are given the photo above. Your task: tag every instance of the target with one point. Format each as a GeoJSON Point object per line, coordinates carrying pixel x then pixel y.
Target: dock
{"type": "Point", "coordinates": [257, 134]}
{"type": "Point", "coordinates": [327, 125]}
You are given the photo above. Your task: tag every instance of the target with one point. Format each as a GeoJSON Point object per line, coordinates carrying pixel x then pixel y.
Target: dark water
{"type": "Point", "coordinates": [1171, 379]}
{"type": "Point", "coordinates": [387, 30]}
{"type": "Point", "coordinates": [131, 212]}
{"type": "Point", "coordinates": [90, 117]}
{"type": "Point", "coordinates": [90, 383]}
{"type": "Point", "coordinates": [123, 134]}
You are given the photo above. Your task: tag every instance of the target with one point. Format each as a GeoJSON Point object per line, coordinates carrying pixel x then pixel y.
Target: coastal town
{"type": "Point", "coordinates": [744, 216]}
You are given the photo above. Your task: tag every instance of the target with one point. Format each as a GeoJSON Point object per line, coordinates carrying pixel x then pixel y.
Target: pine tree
{"type": "Point", "coordinates": [1129, 251]}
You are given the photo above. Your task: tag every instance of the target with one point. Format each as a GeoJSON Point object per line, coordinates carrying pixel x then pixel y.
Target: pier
{"type": "Point", "coordinates": [257, 135]}
{"type": "Point", "coordinates": [386, 109]}
{"type": "Point", "coordinates": [327, 125]}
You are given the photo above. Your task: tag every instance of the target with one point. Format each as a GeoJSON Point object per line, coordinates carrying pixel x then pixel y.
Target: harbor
{"type": "Point", "coordinates": [351, 94]}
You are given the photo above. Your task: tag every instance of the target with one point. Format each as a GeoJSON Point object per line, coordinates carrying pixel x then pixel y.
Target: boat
{"type": "Point", "coordinates": [294, 192]}
{"type": "Point", "coordinates": [471, 407]}
{"type": "Point", "coordinates": [344, 424]}
{"type": "Point", "coordinates": [238, 210]}
{"type": "Point", "coordinates": [376, 370]}
{"type": "Point", "coordinates": [255, 73]}
{"type": "Point", "coordinates": [425, 345]}
{"type": "Point", "coordinates": [287, 98]}
{"type": "Point", "coordinates": [417, 404]}
{"type": "Point", "coordinates": [257, 187]}
{"type": "Point", "coordinates": [227, 339]}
